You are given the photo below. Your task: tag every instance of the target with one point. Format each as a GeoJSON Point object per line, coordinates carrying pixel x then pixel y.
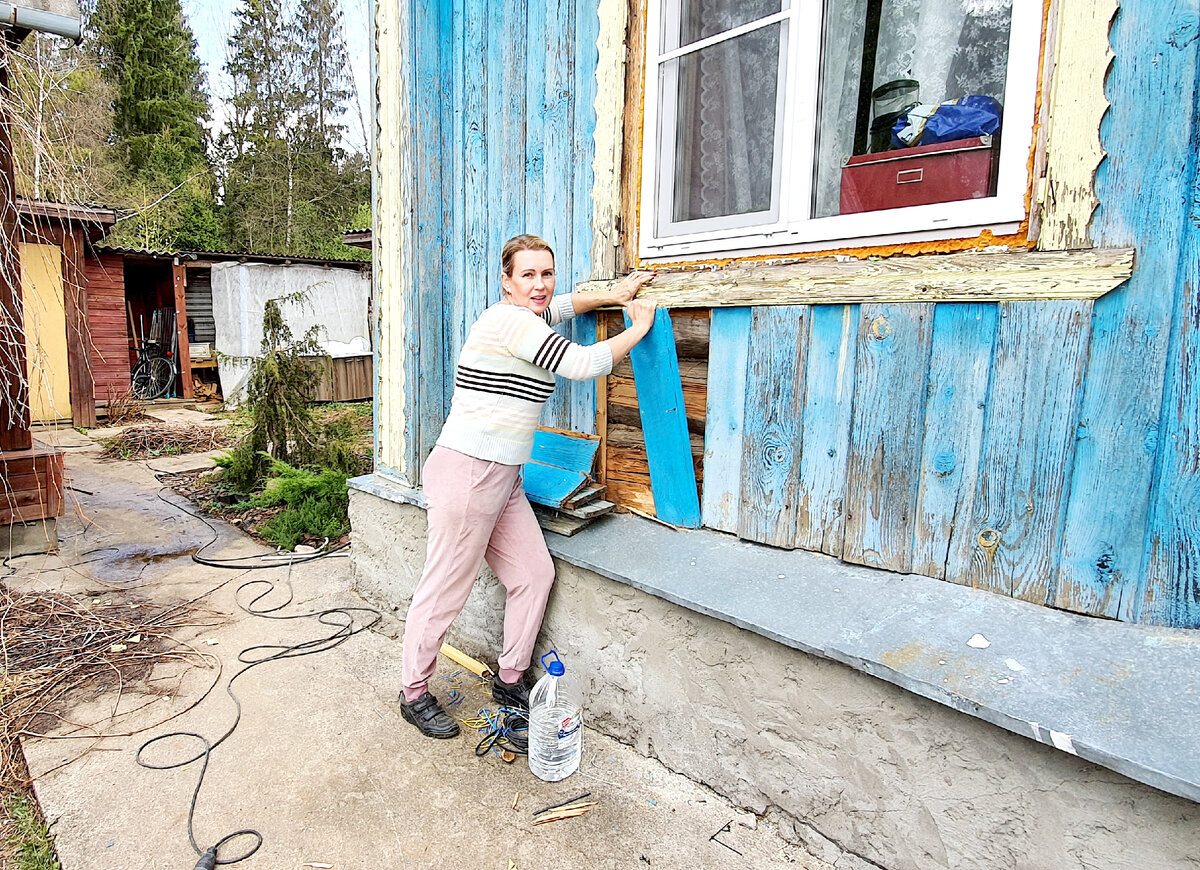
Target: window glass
{"type": "Point", "coordinates": [726, 101]}
{"type": "Point", "coordinates": [880, 58]}
{"type": "Point", "coordinates": [700, 19]}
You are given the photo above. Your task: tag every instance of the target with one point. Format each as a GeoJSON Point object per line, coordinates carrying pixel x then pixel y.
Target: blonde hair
{"type": "Point", "coordinates": [523, 242]}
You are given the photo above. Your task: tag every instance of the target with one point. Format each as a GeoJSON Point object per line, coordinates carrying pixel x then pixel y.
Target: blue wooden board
{"type": "Point", "coordinates": [573, 453]}
{"type": "Point", "coordinates": [885, 441]}
{"type": "Point", "coordinates": [429, 269]}
{"type": "Point", "coordinates": [1110, 524]}
{"type": "Point", "coordinates": [728, 349]}
{"type": "Point", "coordinates": [664, 424]}
{"type": "Point", "coordinates": [1172, 570]}
{"type": "Point", "coordinates": [959, 366]}
{"type": "Point", "coordinates": [771, 444]}
{"type": "Point", "coordinates": [550, 485]}
{"type": "Point", "coordinates": [825, 429]}
{"type": "Point", "coordinates": [1011, 542]}
{"type": "Point", "coordinates": [585, 30]}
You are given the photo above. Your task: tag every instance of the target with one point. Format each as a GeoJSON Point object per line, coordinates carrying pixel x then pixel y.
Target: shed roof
{"type": "Point", "coordinates": [231, 256]}
{"type": "Point", "coordinates": [81, 212]}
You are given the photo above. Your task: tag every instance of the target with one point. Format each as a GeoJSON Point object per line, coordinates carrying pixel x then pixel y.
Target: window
{"type": "Point", "coordinates": [802, 123]}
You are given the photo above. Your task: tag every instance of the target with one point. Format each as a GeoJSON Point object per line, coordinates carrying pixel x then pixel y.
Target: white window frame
{"type": "Point", "coordinates": [801, 32]}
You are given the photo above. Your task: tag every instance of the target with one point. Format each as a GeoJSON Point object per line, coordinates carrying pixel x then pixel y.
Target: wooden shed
{"type": "Point", "coordinates": [57, 256]}
{"type": "Point", "coordinates": [132, 283]}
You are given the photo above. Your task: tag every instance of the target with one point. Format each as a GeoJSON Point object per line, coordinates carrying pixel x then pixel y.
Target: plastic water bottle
{"type": "Point", "coordinates": [555, 724]}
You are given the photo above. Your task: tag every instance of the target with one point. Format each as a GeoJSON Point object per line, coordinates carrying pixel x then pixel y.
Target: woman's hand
{"type": "Point", "coordinates": [641, 313]}
{"type": "Point", "coordinates": [628, 287]}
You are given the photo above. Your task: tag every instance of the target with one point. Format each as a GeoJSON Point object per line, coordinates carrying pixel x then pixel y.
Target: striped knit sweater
{"type": "Point", "coordinates": [505, 375]}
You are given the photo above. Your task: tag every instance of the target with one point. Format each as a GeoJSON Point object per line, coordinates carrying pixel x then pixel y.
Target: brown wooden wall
{"type": "Point", "coordinates": [31, 484]}
{"type": "Point", "coordinates": [344, 379]}
{"type": "Point", "coordinates": [109, 325]}
{"type": "Point", "coordinates": [626, 471]}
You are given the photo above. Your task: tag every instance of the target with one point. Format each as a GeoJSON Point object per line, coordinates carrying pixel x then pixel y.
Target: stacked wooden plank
{"type": "Point", "coordinates": [31, 484]}
{"type": "Point", "coordinates": [560, 480]}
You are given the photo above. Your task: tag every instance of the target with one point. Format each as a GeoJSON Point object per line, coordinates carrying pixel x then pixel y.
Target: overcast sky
{"type": "Point", "coordinates": [212, 23]}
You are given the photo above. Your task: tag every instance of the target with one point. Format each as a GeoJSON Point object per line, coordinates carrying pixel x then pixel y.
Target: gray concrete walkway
{"type": "Point", "coordinates": [321, 763]}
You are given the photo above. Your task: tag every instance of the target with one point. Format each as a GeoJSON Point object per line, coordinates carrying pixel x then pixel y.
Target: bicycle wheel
{"type": "Point", "coordinates": [153, 378]}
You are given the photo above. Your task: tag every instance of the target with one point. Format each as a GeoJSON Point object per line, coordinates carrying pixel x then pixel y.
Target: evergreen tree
{"type": "Point", "coordinates": [146, 51]}
{"type": "Point", "coordinates": [324, 73]}
{"type": "Point", "coordinates": [259, 151]}
{"type": "Point", "coordinates": [290, 188]}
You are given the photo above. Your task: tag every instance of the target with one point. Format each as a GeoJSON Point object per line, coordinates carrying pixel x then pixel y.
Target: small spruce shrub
{"type": "Point", "coordinates": [316, 505]}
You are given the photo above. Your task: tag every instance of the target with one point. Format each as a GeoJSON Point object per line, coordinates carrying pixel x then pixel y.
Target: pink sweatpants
{"type": "Point", "coordinates": [477, 510]}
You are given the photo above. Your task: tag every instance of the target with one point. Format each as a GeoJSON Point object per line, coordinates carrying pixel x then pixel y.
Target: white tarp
{"type": "Point", "coordinates": [336, 300]}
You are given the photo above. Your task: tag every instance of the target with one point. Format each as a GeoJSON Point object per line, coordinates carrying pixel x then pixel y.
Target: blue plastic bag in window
{"type": "Point", "coordinates": [964, 118]}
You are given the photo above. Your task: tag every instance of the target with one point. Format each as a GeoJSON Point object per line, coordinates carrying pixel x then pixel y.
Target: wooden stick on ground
{"type": "Point", "coordinates": [473, 665]}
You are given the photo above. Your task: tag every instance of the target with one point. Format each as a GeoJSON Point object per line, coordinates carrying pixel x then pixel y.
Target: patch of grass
{"type": "Point", "coordinates": [32, 845]}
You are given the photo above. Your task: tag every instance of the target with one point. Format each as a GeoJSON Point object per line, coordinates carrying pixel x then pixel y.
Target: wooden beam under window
{"type": "Point", "coordinates": [966, 277]}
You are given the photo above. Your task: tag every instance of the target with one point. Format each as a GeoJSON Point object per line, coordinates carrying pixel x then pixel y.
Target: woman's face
{"type": "Point", "coordinates": [531, 284]}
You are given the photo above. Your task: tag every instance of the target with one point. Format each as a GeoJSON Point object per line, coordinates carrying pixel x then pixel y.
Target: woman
{"type": "Point", "coordinates": [476, 505]}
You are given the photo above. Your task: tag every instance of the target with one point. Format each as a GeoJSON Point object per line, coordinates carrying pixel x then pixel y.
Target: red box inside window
{"type": "Point", "coordinates": [946, 172]}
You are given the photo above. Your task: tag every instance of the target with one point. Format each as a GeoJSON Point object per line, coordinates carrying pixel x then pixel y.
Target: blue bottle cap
{"type": "Point", "coordinates": [554, 668]}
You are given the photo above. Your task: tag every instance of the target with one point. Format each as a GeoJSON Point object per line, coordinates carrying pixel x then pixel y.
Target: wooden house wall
{"type": "Point", "coordinates": [1043, 450]}
{"type": "Point", "coordinates": [1040, 449]}
{"type": "Point", "coordinates": [109, 325]}
{"type": "Point", "coordinates": [502, 144]}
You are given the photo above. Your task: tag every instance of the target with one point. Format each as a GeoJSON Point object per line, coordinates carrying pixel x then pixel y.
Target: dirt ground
{"type": "Point", "coordinates": [320, 761]}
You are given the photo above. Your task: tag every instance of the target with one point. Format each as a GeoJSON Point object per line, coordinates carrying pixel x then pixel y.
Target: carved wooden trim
{"type": "Point", "coordinates": [1082, 55]}
{"type": "Point", "coordinates": [610, 112]}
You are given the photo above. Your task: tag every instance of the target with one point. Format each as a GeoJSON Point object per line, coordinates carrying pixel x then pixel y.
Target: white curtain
{"type": "Point", "coordinates": [952, 48]}
{"type": "Point", "coordinates": [724, 144]}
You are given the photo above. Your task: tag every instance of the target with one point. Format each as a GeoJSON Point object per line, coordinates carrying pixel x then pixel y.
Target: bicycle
{"type": "Point", "coordinates": [153, 374]}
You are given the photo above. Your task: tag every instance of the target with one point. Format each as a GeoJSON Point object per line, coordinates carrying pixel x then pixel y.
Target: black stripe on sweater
{"type": "Point", "coordinates": [503, 391]}
{"type": "Point", "coordinates": [552, 351]}
{"type": "Point", "coordinates": [509, 378]}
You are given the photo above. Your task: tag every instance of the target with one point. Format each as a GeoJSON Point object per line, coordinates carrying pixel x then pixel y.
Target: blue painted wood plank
{"type": "Point", "coordinates": [457, 322]}
{"type": "Point", "coordinates": [664, 424]}
{"type": "Point", "coordinates": [1012, 540]}
{"type": "Point", "coordinates": [548, 186]}
{"type": "Point", "coordinates": [1140, 186]}
{"type": "Point", "coordinates": [450, 168]}
{"type": "Point", "coordinates": [1172, 588]}
{"type": "Point", "coordinates": [535, 63]}
{"type": "Point", "coordinates": [1171, 594]}
{"type": "Point", "coordinates": [408, 348]}
{"type": "Point", "coordinates": [428, 213]}
{"type": "Point", "coordinates": [500, 24]}
{"type": "Point", "coordinates": [511, 121]}
{"type": "Point", "coordinates": [959, 368]}
{"type": "Point", "coordinates": [550, 485]}
{"type": "Point", "coordinates": [828, 402]}
{"type": "Point", "coordinates": [885, 439]}
{"type": "Point", "coordinates": [479, 274]}
{"type": "Point", "coordinates": [728, 351]}
{"type": "Point", "coordinates": [572, 452]}
{"type": "Point", "coordinates": [585, 29]}
{"type": "Point", "coordinates": [771, 443]}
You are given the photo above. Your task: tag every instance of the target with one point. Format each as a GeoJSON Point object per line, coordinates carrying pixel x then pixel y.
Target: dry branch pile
{"type": "Point", "coordinates": [54, 645]}
{"type": "Point", "coordinates": [144, 442]}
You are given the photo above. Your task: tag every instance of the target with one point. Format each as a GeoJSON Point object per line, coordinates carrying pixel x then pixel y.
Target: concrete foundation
{"type": "Point", "coordinates": [30, 539]}
{"type": "Point", "coordinates": [863, 773]}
